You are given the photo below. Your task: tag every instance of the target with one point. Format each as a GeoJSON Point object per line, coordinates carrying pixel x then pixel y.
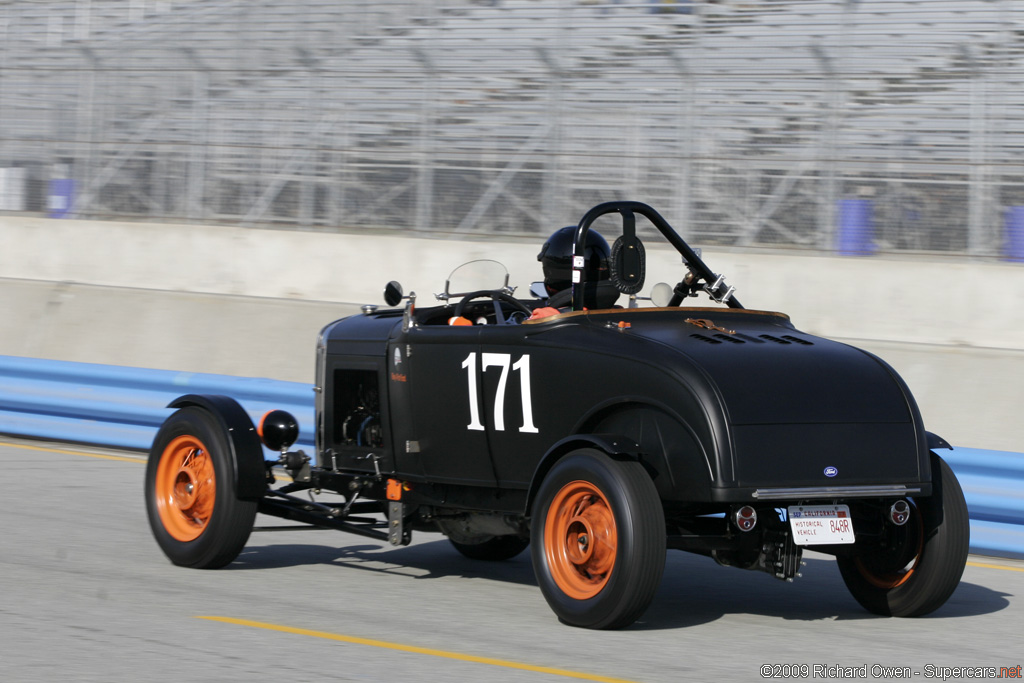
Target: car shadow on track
{"type": "Point", "coordinates": [427, 560]}
{"type": "Point", "coordinates": [695, 590]}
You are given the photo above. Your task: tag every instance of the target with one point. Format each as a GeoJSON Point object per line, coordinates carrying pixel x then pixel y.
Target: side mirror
{"type": "Point", "coordinates": [393, 293]}
{"type": "Point", "coordinates": [393, 296]}
{"type": "Point", "coordinates": [538, 290]}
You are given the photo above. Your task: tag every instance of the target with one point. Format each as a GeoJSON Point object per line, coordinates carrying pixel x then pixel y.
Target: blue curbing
{"type": "Point", "coordinates": [108, 405]}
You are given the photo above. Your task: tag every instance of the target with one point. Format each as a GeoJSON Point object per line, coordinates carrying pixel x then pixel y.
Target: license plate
{"type": "Point", "coordinates": [820, 524]}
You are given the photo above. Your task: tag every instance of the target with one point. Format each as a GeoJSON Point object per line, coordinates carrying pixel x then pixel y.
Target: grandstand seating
{"type": "Point", "coordinates": [413, 114]}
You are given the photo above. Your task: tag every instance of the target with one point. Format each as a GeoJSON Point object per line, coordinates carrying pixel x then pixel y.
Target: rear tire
{"type": "Point", "coordinates": [494, 549]}
{"type": "Point", "coordinates": [598, 535]}
{"type": "Point", "coordinates": [196, 518]}
{"type": "Point", "coordinates": [921, 568]}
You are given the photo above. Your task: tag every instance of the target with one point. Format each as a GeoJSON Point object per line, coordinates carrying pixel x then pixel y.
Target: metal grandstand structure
{"type": "Point", "coordinates": [746, 122]}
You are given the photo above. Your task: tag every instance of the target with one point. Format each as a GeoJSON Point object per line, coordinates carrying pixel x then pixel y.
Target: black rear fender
{"type": "Point", "coordinates": [935, 441]}
{"type": "Point", "coordinates": [614, 445]}
{"type": "Point", "coordinates": [670, 449]}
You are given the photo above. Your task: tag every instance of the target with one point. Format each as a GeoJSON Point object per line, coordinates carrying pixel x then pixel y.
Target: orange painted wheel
{"type": "Point", "coordinates": [580, 540]}
{"type": "Point", "coordinates": [186, 488]}
{"type": "Point", "coordinates": [597, 539]}
{"type": "Point", "coordinates": [192, 479]}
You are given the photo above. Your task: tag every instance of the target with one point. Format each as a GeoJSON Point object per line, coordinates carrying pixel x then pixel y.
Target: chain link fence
{"type": "Point", "coordinates": [851, 126]}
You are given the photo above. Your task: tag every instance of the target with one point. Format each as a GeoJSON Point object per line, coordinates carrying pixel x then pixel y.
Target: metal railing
{"type": "Point", "coordinates": [123, 407]}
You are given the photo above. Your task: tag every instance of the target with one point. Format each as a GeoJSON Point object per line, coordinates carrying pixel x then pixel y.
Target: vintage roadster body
{"type": "Point", "coordinates": [599, 437]}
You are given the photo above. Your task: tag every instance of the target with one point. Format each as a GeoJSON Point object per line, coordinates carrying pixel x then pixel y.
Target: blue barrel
{"type": "Point", "coordinates": [856, 236]}
{"type": "Point", "coordinates": [62, 194]}
{"type": "Point", "coordinates": [1014, 234]}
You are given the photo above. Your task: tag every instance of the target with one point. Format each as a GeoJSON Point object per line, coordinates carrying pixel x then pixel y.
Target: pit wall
{"type": "Point", "coordinates": [249, 302]}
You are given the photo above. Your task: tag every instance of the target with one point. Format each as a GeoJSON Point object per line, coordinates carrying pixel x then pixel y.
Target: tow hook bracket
{"type": "Point", "coordinates": [397, 533]}
{"type": "Point", "coordinates": [780, 556]}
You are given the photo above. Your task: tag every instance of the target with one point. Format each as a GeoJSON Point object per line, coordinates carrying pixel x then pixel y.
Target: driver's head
{"type": "Point", "coordinates": [556, 259]}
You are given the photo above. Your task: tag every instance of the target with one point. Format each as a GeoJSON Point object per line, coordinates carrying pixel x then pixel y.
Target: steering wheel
{"type": "Point", "coordinates": [496, 295]}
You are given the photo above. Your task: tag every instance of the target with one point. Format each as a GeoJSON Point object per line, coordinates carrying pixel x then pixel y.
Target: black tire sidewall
{"type": "Point", "coordinates": [946, 529]}
{"type": "Point", "coordinates": [640, 527]}
{"type": "Point", "coordinates": [231, 520]}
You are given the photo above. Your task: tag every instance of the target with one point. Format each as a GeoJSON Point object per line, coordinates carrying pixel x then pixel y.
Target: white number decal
{"type": "Point", "coordinates": [474, 413]}
{"type": "Point", "coordinates": [523, 367]}
{"type": "Point", "coordinates": [502, 360]}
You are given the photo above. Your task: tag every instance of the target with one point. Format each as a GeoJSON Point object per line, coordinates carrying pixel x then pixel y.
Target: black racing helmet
{"type": "Point", "coordinates": [556, 259]}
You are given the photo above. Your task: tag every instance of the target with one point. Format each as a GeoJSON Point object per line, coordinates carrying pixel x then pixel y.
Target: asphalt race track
{"type": "Point", "coordinates": [88, 596]}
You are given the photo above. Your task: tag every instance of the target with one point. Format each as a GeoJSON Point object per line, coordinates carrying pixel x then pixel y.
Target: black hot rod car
{"type": "Point", "coordinates": [598, 434]}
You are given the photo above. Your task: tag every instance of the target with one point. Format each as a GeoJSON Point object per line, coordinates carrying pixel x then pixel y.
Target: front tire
{"type": "Point", "coordinates": [921, 566]}
{"type": "Point", "coordinates": [598, 540]}
{"type": "Point", "coordinates": [196, 518]}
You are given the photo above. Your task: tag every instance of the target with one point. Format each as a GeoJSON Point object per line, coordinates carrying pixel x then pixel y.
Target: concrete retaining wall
{"type": "Point", "coordinates": [249, 302]}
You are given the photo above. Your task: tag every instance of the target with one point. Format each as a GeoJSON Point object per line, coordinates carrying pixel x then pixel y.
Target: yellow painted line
{"type": "Point", "coordinates": [418, 650]}
{"type": "Point", "coordinates": [101, 456]}
{"type": "Point", "coordinates": [995, 566]}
